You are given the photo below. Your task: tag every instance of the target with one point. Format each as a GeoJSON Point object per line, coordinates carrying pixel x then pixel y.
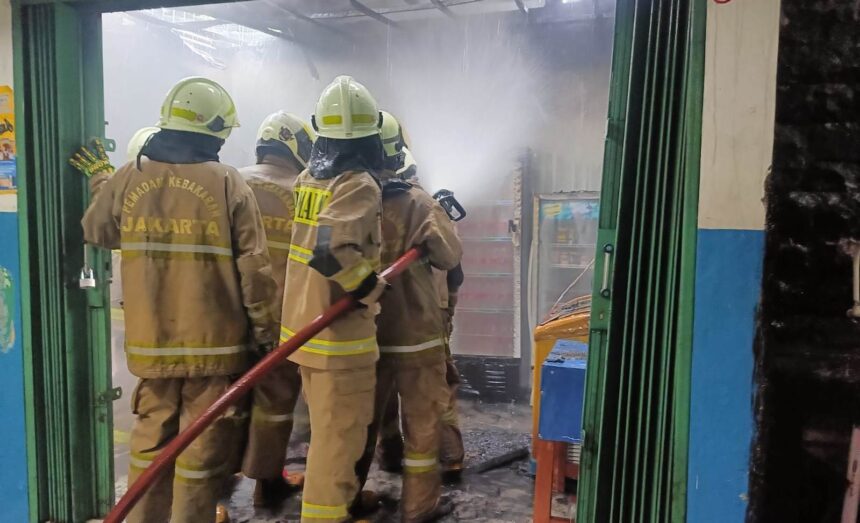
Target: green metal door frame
{"type": "Point", "coordinates": [59, 79]}
{"type": "Point", "coordinates": [57, 51]}
{"type": "Point", "coordinates": [66, 339]}
{"type": "Point", "coordinates": [636, 414]}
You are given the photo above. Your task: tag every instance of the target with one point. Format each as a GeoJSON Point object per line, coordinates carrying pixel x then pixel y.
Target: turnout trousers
{"type": "Point", "coordinates": [340, 403]}
{"type": "Point", "coordinates": [271, 422]}
{"type": "Point", "coordinates": [423, 397]}
{"type": "Point", "coordinates": [164, 407]}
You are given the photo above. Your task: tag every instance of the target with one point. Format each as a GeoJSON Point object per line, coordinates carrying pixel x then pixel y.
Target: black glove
{"type": "Point", "coordinates": [370, 289]}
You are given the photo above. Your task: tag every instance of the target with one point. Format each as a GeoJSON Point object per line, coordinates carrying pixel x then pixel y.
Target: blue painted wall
{"type": "Point", "coordinates": [13, 451]}
{"type": "Point", "coordinates": [728, 282]}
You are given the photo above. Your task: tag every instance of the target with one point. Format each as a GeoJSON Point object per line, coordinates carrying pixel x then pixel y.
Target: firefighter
{"type": "Point", "coordinates": [284, 145]}
{"type": "Point", "coordinates": [411, 333]}
{"type": "Point", "coordinates": [197, 290]}
{"type": "Point", "coordinates": [451, 450]}
{"type": "Point", "coordinates": [334, 250]}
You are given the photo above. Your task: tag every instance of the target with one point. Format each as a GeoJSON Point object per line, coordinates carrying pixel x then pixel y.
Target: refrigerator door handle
{"type": "Point", "coordinates": [514, 231]}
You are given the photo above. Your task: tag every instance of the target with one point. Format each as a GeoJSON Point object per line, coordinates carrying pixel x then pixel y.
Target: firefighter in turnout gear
{"type": "Point", "coordinates": [284, 145]}
{"type": "Point", "coordinates": [411, 333]}
{"type": "Point", "coordinates": [451, 450]}
{"type": "Point", "coordinates": [197, 288]}
{"type": "Point", "coordinates": [334, 249]}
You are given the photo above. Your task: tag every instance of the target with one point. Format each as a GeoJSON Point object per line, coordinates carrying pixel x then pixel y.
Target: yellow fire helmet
{"type": "Point", "coordinates": [138, 140]}
{"type": "Point", "coordinates": [409, 166]}
{"type": "Point", "coordinates": [199, 105]}
{"type": "Point", "coordinates": [392, 135]}
{"type": "Point", "coordinates": [346, 110]}
{"type": "Point", "coordinates": [289, 130]}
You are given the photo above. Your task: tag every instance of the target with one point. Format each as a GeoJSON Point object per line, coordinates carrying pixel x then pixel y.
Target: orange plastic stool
{"type": "Point", "coordinates": [552, 470]}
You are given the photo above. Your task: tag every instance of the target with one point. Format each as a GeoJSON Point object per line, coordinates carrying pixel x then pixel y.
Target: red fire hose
{"type": "Point", "coordinates": [241, 387]}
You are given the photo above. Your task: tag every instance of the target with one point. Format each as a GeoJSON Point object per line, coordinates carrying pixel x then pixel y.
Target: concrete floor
{"type": "Point", "coordinates": [501, 495]}
{"type": "Point", "coordinates": [496, 496]}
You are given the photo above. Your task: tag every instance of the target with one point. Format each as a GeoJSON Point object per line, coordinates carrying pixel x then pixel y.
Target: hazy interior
{"type": "Point", "coordinates": [500, 107]}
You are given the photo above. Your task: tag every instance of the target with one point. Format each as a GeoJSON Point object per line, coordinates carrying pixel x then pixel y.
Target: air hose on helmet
{"type": "Point", "coordinates": [241, 387]}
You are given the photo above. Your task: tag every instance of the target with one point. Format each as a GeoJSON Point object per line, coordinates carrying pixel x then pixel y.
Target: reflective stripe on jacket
{"type": "Point", "coordinates": [335, 246]}
{"type": "Point", "coordinates": [272, 181]}
{"type": "Point", "coordinates": [195, 272]}
{"type": "Point", "coordinates": [411, 325]}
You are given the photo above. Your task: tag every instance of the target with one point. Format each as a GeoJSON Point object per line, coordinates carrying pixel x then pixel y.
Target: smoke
{"type": "Point", "coordinates": [467, 99]}
{"type": "Point", "coordinates": [473, 93]}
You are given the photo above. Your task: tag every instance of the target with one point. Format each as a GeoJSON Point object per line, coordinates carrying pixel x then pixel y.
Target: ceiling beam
{"type": "Point", "coordinates": [440, 5]}
{"type": "Point", "coordinates": [372, 14]}
{"type": "Point", "coordinates": [230, 15]}
{"type": "Point", "coordinates": [288, 34]}
{"type": "Point", "coordinates": [305, 18]}
{"type": "Point", "coordinates": [190, 26]}
{"type": "Point", "coordinates": [522, 7]}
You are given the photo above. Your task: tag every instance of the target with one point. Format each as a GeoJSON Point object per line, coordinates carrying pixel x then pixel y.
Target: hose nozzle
{"type": "Point", "coordinates": [452, 207]}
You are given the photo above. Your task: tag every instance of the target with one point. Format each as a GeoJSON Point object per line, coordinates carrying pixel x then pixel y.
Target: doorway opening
{"type": "Point", "coordinates": [505, 105]}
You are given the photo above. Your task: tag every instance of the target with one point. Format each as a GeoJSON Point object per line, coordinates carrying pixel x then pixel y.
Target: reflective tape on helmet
{"type": "Point", "coordinates": [408, 349]}
{"type": "Point", "coordinates": [365, 118]}
{"type": "Point", "coordinates": [310, 510]}
{"type": "Point", "coordinates": [187, 114]}
{"type": "Point", "coordinates": [332, 119]}
{"type": "Point", "coordinates": [333, 348]}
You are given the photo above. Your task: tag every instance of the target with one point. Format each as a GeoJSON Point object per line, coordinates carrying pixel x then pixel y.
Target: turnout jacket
{"type": "Point", "coordinates": [197, 284]}
{"type": "Point", "coordinates": [272, 181]}
{"type": "Point", "coordinates": [411, 325]}
{"type": "Point", "coordinates": [335, 247]}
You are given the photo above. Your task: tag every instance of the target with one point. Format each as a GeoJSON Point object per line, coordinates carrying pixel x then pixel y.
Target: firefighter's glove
{"type": "Point", "coordinates": [370, 290]}
{"type": "Point", "coordinates": [92, 160]}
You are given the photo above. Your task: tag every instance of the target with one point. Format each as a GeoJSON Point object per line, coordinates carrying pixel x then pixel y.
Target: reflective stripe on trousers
{"type": "Point", "coordinates": [259, 415]}
{"type": "Point", "coordinates": [407, 349]}
{"type": "Point", "coordinates": [420, 463]}
{"type": "Point", "coordinates": [183, 471]}
{"type": "Point", "coordinates": [309, 510]}
{"type": "Point", "coordinates": [184, 351]}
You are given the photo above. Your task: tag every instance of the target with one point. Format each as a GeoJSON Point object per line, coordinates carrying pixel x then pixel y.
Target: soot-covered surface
{"type": "Point", "coordinates": [808, 354]}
